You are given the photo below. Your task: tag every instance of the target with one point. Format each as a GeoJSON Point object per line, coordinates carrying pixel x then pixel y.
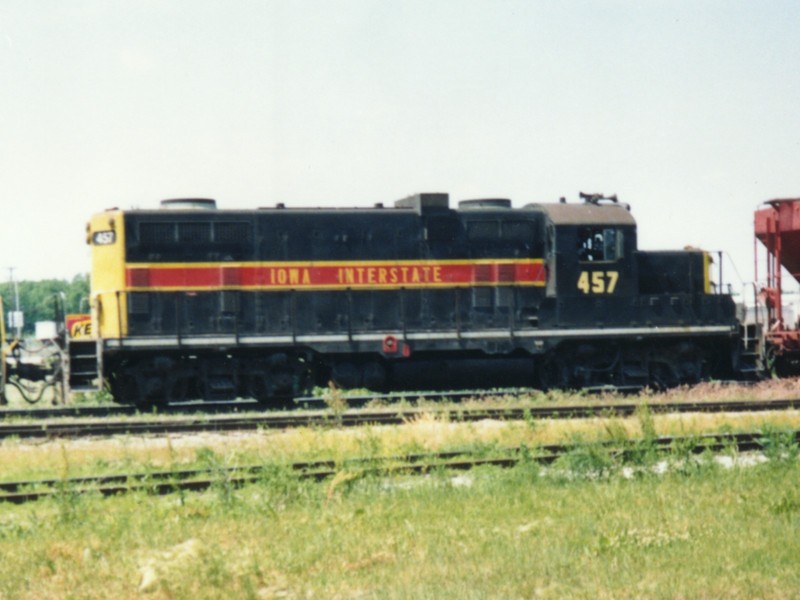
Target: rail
{"type": "Point", "coordinates": [167, 482]}
{"type": "Point", "coordinates": [187, 425]}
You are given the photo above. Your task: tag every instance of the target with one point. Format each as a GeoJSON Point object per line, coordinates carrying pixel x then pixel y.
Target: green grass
{"type": "Point", "coordinates": [579, 530]}
{"type": "Point", "coordinates": [592, 525]}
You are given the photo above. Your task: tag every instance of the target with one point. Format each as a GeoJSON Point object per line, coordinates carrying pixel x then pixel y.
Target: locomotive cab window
{"type": "Point", "coordinates": [598, 244]}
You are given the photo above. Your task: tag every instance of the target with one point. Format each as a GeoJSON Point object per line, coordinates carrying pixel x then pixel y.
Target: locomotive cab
{"type": "Point", "coordinates": [589, 255]}
{"type": "Point", "coordinates": [590, 250]}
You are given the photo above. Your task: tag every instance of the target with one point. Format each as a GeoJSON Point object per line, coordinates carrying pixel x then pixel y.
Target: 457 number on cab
{"type": "Point", "coordinates": [598, 282]}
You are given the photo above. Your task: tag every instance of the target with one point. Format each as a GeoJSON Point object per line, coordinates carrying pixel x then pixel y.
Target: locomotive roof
{"type": "Point", "coordinates": [557, 213]}
{"type": "Point", "coordinates": [588, 213]}
{"type": "Point", "coordinates": [267, 211]}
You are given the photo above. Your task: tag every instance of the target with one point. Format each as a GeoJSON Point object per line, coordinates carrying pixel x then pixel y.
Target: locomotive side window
{"type": "Point", "coordinates": [597, 244]}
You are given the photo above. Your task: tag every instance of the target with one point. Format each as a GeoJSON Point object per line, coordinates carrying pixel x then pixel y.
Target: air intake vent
{"type": "Point", "coordinates": [484, 204]}
{"type": "Point", "coordinates": [189, 204]}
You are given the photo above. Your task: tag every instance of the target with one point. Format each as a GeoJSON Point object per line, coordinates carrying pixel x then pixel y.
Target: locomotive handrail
{"type": "Point", "coordinates": [755, 304]}
{"type": "Point", "coordinates": [236, 315]}
{"type": "Point", "coordinates": [178, 312]}
{"type": "Point", "coordinates": [759, 330]}
{"type": "Point", "coordinates": [119, 317]}
{"type": "Point", "coordinates": [293, 307]}
{"type": "Point", "coordinates": [457, 292]}
{"type": "Point", "coordinates": [350, 315]}
{"type": "Point", "coordinates": [96, 301]}
{"type": "Point", "coordinates": [512, 313]}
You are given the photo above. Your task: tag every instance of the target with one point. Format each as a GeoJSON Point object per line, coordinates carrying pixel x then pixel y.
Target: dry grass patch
{"type": "Point", "coordinates": [426, 432]}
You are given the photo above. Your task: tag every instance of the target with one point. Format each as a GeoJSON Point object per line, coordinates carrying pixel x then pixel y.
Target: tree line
{"type": "Point", "coordinates": [37, 299]}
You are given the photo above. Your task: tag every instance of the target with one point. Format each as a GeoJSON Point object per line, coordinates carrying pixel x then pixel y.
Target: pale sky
{"type": "Point", "coordinates": [688, 110]}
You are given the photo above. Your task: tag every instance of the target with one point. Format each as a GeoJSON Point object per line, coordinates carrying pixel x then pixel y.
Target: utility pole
{"type": "Point", "coordinates": [16, 321]}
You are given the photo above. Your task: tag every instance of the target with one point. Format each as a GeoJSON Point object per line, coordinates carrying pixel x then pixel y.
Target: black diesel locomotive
{"type": "Point", "coordinates": [194, 302]}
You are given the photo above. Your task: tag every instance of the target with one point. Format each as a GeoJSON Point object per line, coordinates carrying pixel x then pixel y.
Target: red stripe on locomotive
{"type": "Point", "coordinates": [339, 275]}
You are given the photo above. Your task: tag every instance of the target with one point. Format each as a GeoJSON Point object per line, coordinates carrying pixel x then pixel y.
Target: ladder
{"type": "Point", "coordinates": [81, 369]}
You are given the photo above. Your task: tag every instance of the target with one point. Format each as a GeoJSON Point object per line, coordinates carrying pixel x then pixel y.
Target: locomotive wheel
{"type": "Point", "coordinates": [271, 386]}
{"type": "Point", "coordinates": [786, 366]}
{"type": "Point", "coordinates": [374, 376]}
{"type": "Point", "coordinates": [279, 379]}
{"type": "Point", "coordinates": [260, 388]}
{"type": "Point", "coordinates": [126, 389]}
{"type": "Point", "coordinates": [662, 377]}
{"type": "Point", "coordinates": [552, 372]}
{"type": "Point", "coordinates": [176, 388]}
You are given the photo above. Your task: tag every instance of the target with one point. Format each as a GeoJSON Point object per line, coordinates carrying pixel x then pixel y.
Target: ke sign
{"type": "Point", "coordinates": [79, 326]}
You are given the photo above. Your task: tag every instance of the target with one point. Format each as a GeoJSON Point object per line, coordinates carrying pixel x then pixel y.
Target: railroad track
{"type": "Point", "coordinates": [239, 406]}
{"type": "Point", "coordinates": [166, 482]}
{"type": "Point", "coordinates": [251, 422]}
